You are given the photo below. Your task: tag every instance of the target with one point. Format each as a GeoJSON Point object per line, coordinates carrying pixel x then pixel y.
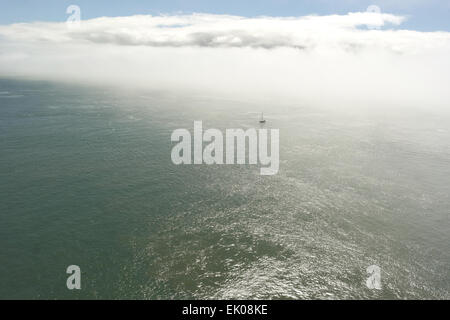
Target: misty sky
{"type": "Point", "coordinates": [425, 15]}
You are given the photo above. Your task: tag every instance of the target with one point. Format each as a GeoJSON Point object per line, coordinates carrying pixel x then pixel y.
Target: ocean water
{"type": "Point", "coordinates": [86, 178]}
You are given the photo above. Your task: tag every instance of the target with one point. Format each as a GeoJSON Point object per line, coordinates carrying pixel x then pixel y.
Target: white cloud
{"type": "Point", "coordinates": [319, 59]}
{"type": "Point", "coordinates": [201, 30]}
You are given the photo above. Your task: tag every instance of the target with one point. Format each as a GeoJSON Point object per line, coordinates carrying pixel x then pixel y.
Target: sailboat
{"type": "Point", "coordinates": [262, 120]}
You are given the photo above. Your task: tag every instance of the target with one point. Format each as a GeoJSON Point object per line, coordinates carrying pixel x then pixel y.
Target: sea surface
{"type": "Point", "coordinates": [86, 179]}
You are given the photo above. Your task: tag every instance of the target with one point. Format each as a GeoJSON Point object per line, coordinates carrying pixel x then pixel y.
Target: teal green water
{"type": "Point", "coordinates": [86, 179]}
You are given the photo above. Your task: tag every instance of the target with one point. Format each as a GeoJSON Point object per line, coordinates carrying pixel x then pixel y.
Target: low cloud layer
{"type": "Point", "coordinates": [327, 59]}
{"type": "Point", "coordinates": [201, 30]}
